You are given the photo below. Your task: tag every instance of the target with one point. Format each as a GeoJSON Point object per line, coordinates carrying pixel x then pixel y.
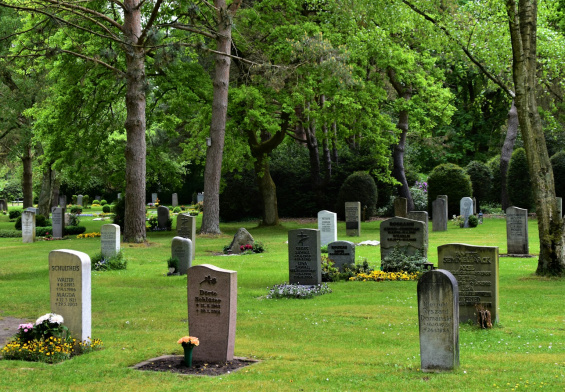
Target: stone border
{"type": "Point", "coordinates": [148, 361]}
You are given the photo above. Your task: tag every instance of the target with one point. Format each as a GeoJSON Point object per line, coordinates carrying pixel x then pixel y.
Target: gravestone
{"type": "Point", "coordinates": [110, 240]}
{"type": "Point", "coordinates": [175, 200]}
{"type": "Point", "coordinates": [304, 257]}
{"type": "Point", "coordinates": [466, 210]}
{"type": "Point", "coordinates": [200, 197]}
{"type": "Point", "coordinates": [58, 221]}
{"type": "Point", "coordinates": [406, 233]}
{"type": "Point", "coordinates": [181, 248]}
{"type": "Point", "coordinates": [119, 196]}
{"type": "Point", "coordinates": [186, 228]}
{"type": "Point", "coordinates": [212, 312]}
{"type": "Point", "coordinates": [3, 205]}
{"type": "Point", "coordinates": [34, 210]}
{"type": "Point", "coordinates": [438, 314]}
{"type": "Point", "coordinates": [153, 198]}
{"type": "Point", "coordinates": [69, 281]}
{"type": "Point", "coordinates": [242, 237]}
{"type": "Point", "coordinates": [99, 198]}
{"type": "Point", "coordinates": [162, 217]}
{"type": "Point", "coordinates": [444, 197]}
{"type": "Point", "coordinates": [28, 226]}
{"type": "Point", "coordinates": [421, 216]}
{"type": "Point", "coordinates": [439, 215]}
{"type": "Point", "coordinates": [476, 271]}
{"type": "Point", "coordinates": [353, 218]}
{"type": "Point", "coordinates": [517, 231]}
{"type": "Point", "coordinates": [341, 253]}
{"type": "Point", "coordinates": [79, 200]}
{"type": "Point", "coordinates": [560, 205]}
{"type": "Point", "coordinates": [62, 201]}
{"type": "Point", "coordinates": [327, 224]}
{"type": "Point", "coordinates": [401, 207]}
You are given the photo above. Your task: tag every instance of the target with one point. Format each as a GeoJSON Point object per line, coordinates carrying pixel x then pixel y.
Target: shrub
{"type": "Point", "coordinates": [481, 180]}
{"type": "Point", "coordinates": [85, 200]}
{"type": "Point", "coordinates": [419, 194]}
{"type": "Point", "coordinates": [75, 209]}
{"type": "Point", "coordinates": [451, 180]}
{"type": "Point", "coordinates": [361, 187]}
{"type": "Point", "coordinates": [558, 164]}
{"type": "Point", "coordinates": [518, 181]}
{"type": "Point", "coordinates": [176, 210]}
{"type": "Point", "coordinates": [495, 186]}
{"type": "Point", "coordinates": [297, 291]}
{"type": "Point", "coordinates": [398, 261]}
{"type": "Point", "coordinates": [43, 231]}
{"type": "Point", "coordinates": [173, 262]}
{"type": "Point", "coordinates": [103, 202]}
{"type": "Point", "coordinates": [329, 272]}
{"type": "Point", "coordinates": [120, 212]}
{"type": "Point", "coordinates": [74, 199]}
{"type": "Point", "coordinates": [95, 202]}
{"type": "Point", "coordinates": [106, 209]}
{"type": "Point", "coordinates": [74, 230]}
{"type": "Point", "coordinates": [101, 263]}
{"type": "Point", "coordinates": [10, 233]}
{"type": "Point", "coordinates": [14, 214]}
{"type": "Point", "coordinates": [473, 221]}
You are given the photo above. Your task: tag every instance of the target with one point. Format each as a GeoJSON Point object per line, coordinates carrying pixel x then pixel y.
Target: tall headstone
{"type": "Point", "coordinates": [175, 200]}
{"type": "Point", "coordinates": [304, 257]}
{"type": "Point", "coordinates": [186, 228]}
{"type": "Point", "coordinates": [439, 215]}
{"type": "Point", "coordinates": [28, 226]}
{"type": "Point", "coordinates": [162, 216]}
{"type": "Point", "coordinates": [62, 201]}
{"type": "Point", "coordinates": [181, 248]}
{"type": "Point", "coordinates": [438, 314]}
{"type": "Point", "coordinates": [560, 205]}
{"type": "Point", "coordinates": [341, 253]}
{"type": "Point", "coordinates": [517, 231]}
{"type": "Point", "coordinates": [476, 271]}
{"type": "Point", "coordinates": [3, 205]}
{"type": "Point", "coordinates": [212, 312]}
{"type": "Point", "coordinates": [353, 218]}
{"type": "Point", "coordinates": [401, 207]}
{"type": "Point", "coordinates": [153, 198]}
{"type": "Point", "coordinates": [79, 200]}
{"type": "Point", "coordinates": [200, 197]}
{"type": "Point", "coordinates": [406, 233]}
{"type": "Point", "coordinates": [421, 216]}
{"type": "Point", "coordinates": [34, 210]}
{"type": "Point", "coordinates": [110, 240]}
{"type": "Point", "coordinates": [58, 221]}
{"type": "Point", "coordinates": [444, 197]}
{"type": "Point", "coordinates": [119, 196]}
{"type": "Point", "coordinates": [69, 281]}
{"type": "Point", "coordinates": [327, 224]}
{"type": "Point", "coordinates": [466, 210]}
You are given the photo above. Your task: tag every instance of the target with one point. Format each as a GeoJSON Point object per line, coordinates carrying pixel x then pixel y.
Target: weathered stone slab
{"type": "Point", "coordinates": [200, 197]}
{"type": "Point", "coordinates": [186, 228]}
{"type": "Point", "coordinates": [58, 221]}
{"type": "Point", "coordinates": [444, 197]}
{"type": "Point", "coordinates": [408, 234]}
{"type": "Point", "coordinates": [162, 217]}
{"type": "Point", "coordinates": [3, 205]}
{"type": "Point", "coordinates": [62, 201]}
{"type": "Point", "coordinates": [70, 289]}
{"type": "Point", "coordinates": [212, 312]}
{"type": "Point", "coordinates": [175, 201]}
{"type": "Point", "coordinates": [401, 207]}
{"type": "Point", "coordinates": [34, 210]}
{"type": "Point", "coordinates": [476, 271]}
{"type": "Point", "coordinates": [438, 314]}
{"type": "Point", "coordinates": [181, 248]}
{"type": "Point", "coordinates": [242, 237]}
{"type": "Point", "coordinates": [560, 205]}
{"type": "Point", "coordinates": [517, 231]}
{"type": "Point", "coordinates": [28, 226]}
{"type": "Point", "coordinates": [341, 253]}
{"type": "Point", "coordinates": [466, 209]}
{"type": "Point", "coordinates": [110, 240]}
{"type": "Point", "coordinates": [439, 215]}
{"type": "Point", "coordinates": [353, 218]}
{"type": "Point", "coordinates": [421, 216]}
{"type": "Point", "coordinates": [304, 257]}
{"type": "Point", "coordinates": [154, 198]}
{"type": "Point", "coordinates": [79, 200]}
{"type": "Point", "coordinates": [327, 224]}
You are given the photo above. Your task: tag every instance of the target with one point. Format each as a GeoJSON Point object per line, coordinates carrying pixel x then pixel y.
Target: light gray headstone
{"type": "Point", "coordinates": [34, 210]}
{"type": "Point", "coordinates": [200, 197]}
{"type": "Point", "coordinates": [175, 200]}
{"type": "Point", "coordinates": [560, 205]}
{"type": "Point", "coordinates": [119, 196]}
{"type": "Point", "coordinates": [408, 234]}
{"type": "Point", "coordinates": [353, 218]}
{"type": "Point", "coordinates": [401, 207]}
{"type": "Point", "coordinates": [466, 209]}
{"type": "Point", "coordinates": [186, 228]}
{"type": "Point", "coordinates": [181, 248]}
{"type": "Point", "coordinates": [304, 257]}
{"type": "Point", "coordinates": [153, 198]}
{"type": "Point", "coordinates": [212, 312]}
{"type": "Point", "coordinates": [476, 271]}
{"type": "Point", "coordinates": [28, 226]}
{"type": "Point", "coordinates": [58, 221]}
{"type": "Point", "coordinates": [341, 253]}
{"type": "Point", "coordinates": [69, 281]}
{"type": "Point", "coordinates": [439, 321]}
{"type": "Point", "coordinates": [517, 231]}
{"type": "Point", "coordinates": [79, 200]}
{"type": "Point", "coordinates": [421, 216]}
{"type": "Point", "coordinates": [327, 224]}
{"type": "Point", "coordinates": [439, 215]}
{"type": "Point", "coordinates": [162, 216]}
{"type": "Point", "coordinates": [110, 240]}
{"type": "Point", "coordinates": [242, 237]}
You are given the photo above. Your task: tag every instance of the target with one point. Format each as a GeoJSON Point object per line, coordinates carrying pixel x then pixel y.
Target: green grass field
{"type": "Point", "coordinates": [363, 336]}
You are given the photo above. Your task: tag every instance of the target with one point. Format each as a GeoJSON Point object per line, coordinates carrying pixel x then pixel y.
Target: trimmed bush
{"type": "Point", "coordinates": [495, 187]}
{"type": "Point", "coordinates": [74, 230]}
{"type": "Point", "coordinates": [359, 186]}
{"type": "Point", "coordinates": [481, 179]}
{"type": "Point", "coordinates": [451, 180]}
{"type": "Point", "coordinates": [40, 221]}
{"type": "Point", "coordinates": [10, 234]}
{"type": "Point", "coordinates": [558, 164]}
{"type": "Point", "coordinates": [106, 209]}
{"type": "Point", "coordinates": [103, 202]}
{"type": "Point", "coordinates": [14, 214]}
{"type": "Point", "coordinates": [176, 210]}
{"type": "Point", "coordinates": [518, 181]}
{"type": "Point", "coordinates": [75, 209]}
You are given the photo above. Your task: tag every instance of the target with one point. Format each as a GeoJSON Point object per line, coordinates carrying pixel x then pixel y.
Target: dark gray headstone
{"type": "Point", "coordinates": [353, 218]}
{"type": "Point", "coordinates": [421, 216]}
{"type": "Point", "coordinates": [304, 257]}
{"type": "Point", "coordinates": [341, 253]}
{"type": "Point", "coordinates": [28, 226]}
{"type": "Point", "coordinates": [439, 215]}
{"type": "Point", "coordinates": [3, 205]}
{"type": "Point", "coordinates": [406, 233]}
{"type": "Point", "coordinates": [175, 200]}
{"type": "Point", "coordinates": [162, 216]}
{"type": "Point", "coordinates": [58, 221]}
{"type": "Point", "coordinates": [181, 248]}
{"type": "Point", "coordinates": [63, 201]}
{"type": "Point", "coordinates": [439, 321]}
{"type": "Point", "coordinates": [99, 198]}
{"type": "Point", "coordinates": [476, 271]}
{"type": "Point", "coordinates": [444, 197]}
{"type": "Point", "coordinates": [401, 207]}
{"type": "Point", "coordinates": [79, 200]}
{"type": "Point", "coordinates": [517, 231]}
{"type": "Point", "coordinates": [327, 224]}
{"type": "Point", "coordinates": [466, 210]}
{"type": "Point", "coordinates": [186, 228]}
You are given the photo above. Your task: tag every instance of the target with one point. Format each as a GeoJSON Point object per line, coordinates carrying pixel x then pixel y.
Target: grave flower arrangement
{"type": "Point", "coordinates": [188, 343]}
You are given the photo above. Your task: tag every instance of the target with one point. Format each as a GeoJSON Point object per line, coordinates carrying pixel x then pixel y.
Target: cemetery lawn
{"type": "Point", "coordinates": [363, 336]}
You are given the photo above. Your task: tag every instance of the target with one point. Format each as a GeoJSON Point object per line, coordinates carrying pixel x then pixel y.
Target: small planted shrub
{"type": "Point", "coordinates": [120, 212]}
{"type": "Point", "coordinates": [398, 261]}
{"type": "Point", "coordinates": [297, 291]}
{"type": "Point", "coordinates": [173, 263]}
{"type": "Point", "coordinates": [176, 210]}
{"type": "Point", "coordinates": [106, 209]}
{"type": "Point", "coordinates": [481, 179]}
{"type": "Point", "coordinates": [359, 186]}
{"type": "Point", "coordinates": [46, 231]}
{"type": "Point", "coordinates": [75, 209]}
{"type": "Point", "coordinates": [10, 233]}
{"type": "Point", "coordinates": [40, 221]}
{"type": "Point", "coordinates": [103, 202]}
{"type": "Point", "coordinates": [74, 230]}
{"type": "Point", "coordinates": [473, 221]}
{"type": "Point", "coordinates": [102, 263]}
{"type": "Point", "coordinates": [95, 203]}
{"type": "Point", "coordinates": [14, 214]}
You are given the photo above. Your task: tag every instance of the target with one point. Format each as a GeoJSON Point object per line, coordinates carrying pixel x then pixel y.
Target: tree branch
{"type": "Point", "coordinates": [150, 22]}
{"type": "Point", "coordinates": [116, 70]}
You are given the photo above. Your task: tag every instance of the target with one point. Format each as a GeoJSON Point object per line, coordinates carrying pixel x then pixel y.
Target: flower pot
{"type": "Point", "coordinates": [188, 354]}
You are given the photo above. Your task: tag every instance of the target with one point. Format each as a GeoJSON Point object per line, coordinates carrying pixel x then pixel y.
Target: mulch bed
{"type": "Point", "coordinates": [175, 364]}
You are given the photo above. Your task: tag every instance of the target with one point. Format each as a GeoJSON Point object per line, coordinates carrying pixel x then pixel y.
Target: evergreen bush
{"type": "Point", "coordinates": [14, 214]}
{"type": "Point", "coordinates": [120, 212]}
{"type": "Point", "coordinates": [103, 202]}
{"type": "Point", "coordinates": [359, 186]}
{"type": "Point", "coordinates": [481, 179]}
{"type": "Point", "coordinates": [495, 187]}
{"type": "Point", "coordinates": [74, 230]}
{"type": "Point", "coordinates": [518, 180]}
{"type": "Point", "coordinates": [558, 164]}
{"type": "Point", "coordinates": [451, 180]}
{"type": "Point", "coordinates": [106, 209]}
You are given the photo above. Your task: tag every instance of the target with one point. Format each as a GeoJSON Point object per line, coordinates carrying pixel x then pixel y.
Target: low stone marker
{"type": "Point", "coordinates": [3, 205]}
{"type": "Point", "coordinates": [406, 233]}
{"type": "Point", "coordinates": [58, 221]}
{"type": "Point", "coordinates": [517, 231]}
{"type": "Point", "coordinates": [327, 224]}
{"type": "Point", "coordinates": [212, 312]}
{"type": "Point", "coordinates": [181, 248]}
{"type": "Point", "coordinates": [79, 200]}
{"type": "Point", "coordinates": [304, 257]}
{"type": "Point", "coordinates": [438, 314]}
{"type": "Point", "coordinates": [466, 209]}
{"type": "Point", "coordinates": [162, 217]}
{"type": "Point", "coordinates": [341, 253]}
{"type": "Point", "coordinates": [476, 271]}
{"type": "Point", "coordinates": [186, 228]}
{"type": "Point", "coordinates": [242, 237]}
{"type": "Point", "coordinates": [153, 198]}
{"type": "Point", "coordinates": [353, 218]}
{"type": "Point", "coordinates": [69, 281]}
{"type": "Point", "coordinates": [110, 240]}
{"type": "Point", "coordinates": [439, 215]}
{"type": "Point", "coordinates": [401, 207]}
{"type": "Point", "coordinates": [28, 226]}
{"type": "Point", "coordinates": [175, 201]}
{"type": "Point", "coordinates": [421, 216]}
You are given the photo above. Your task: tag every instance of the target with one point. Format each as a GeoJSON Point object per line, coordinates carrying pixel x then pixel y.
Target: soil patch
{"type": "Point", "coordinates": [8, 328]}
{"type": "Point", "coordinates": [175, 364]}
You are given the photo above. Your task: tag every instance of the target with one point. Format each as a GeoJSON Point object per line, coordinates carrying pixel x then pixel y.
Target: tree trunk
{"type": "Point", "coordinates": [335, 157]}
{"type": "Point", "coordinates": [27, 178]}
{"type": "Point", "coordinates": [55, 184]}
{"type": "Point", "coordinates": [268, 191]}
{"type": "Point", "coordinates": [506, 154]}
{"type": "Point", "coordinates": [44, 203]}
{"type": "Point", "coordinates": [523, 27]}
{"type": "Point", "coordinates": [326, 148]}
{"type": "Point", "coordinates": [135, 153]}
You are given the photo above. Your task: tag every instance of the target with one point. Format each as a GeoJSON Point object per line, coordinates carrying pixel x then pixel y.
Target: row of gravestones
{"type": "Point", "coordinates": [175, 198]}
